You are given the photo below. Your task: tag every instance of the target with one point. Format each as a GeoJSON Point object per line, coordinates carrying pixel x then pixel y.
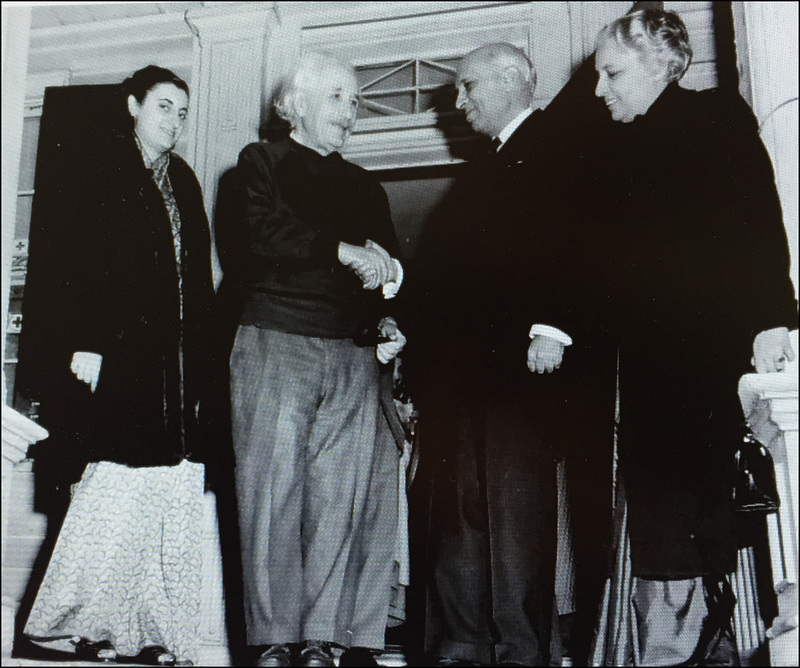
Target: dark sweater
{"type": "Point", "coordinates": [298, 206]}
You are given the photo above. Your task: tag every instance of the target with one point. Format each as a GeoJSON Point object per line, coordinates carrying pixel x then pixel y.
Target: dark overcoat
{"type": "Point", "coordinates": [116, 288]}
{"type": "Point", "coordinates": [700, 266]}
{"type": "Point", "coordinates": [495, 258]}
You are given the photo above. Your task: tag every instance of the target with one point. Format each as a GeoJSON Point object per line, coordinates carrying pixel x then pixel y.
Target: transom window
{"type": "Point", "coordinates": [404, 87]}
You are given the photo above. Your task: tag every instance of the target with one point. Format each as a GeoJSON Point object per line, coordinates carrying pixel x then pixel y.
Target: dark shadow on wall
{"type": "Point", "coordinates": [725, 39]}
{"type": "Point", "coordinates": [416, 196]}
{"type": "Point", "coordinates": [462, 141]}
{"type": "Point", "coordinates": [230, 239]}
{"type": "Point", "coordinates": [273, 127]}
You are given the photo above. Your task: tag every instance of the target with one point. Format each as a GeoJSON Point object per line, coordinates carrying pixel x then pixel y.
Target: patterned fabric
{"type": "Point", "coordinates": [160, 169]}
{"type": "Point", "coordinates": [127, 564]}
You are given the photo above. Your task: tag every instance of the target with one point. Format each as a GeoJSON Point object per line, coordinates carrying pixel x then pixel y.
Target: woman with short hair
{"type": "Point", "coordinates": [700, 273]}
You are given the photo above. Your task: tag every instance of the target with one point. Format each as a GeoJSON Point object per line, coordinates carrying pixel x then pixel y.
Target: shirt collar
{"type": "Point", "coordinates": [509, 129]}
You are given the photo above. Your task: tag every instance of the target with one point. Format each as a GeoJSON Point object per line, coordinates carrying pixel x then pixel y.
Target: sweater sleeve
{"type": "Point", "coordinates": [275, 231]}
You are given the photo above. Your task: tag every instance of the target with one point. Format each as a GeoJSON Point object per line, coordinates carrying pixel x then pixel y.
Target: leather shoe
{"type": "Point", "coordinates": [316, 654]}
{"type": "Point", "coordinates": [357, 656]}
{"type": "Point", "coordinates": [277, 656]}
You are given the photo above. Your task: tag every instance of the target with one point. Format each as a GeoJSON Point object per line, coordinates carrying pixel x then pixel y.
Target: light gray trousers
{"type": "Point", "coordinates": [316, 481]}
{"type": "Point", "coordinates": [669, 617]}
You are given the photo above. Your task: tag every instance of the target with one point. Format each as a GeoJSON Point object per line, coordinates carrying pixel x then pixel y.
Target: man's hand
{"type": "Point", "coordinates": [388, 350]}
{"type": "Point", "coordinates": [371, 263]}
{"type": "Point", "coordinates": [771, 350]}
{"type": "Point", "coordinates": [385, 257]}
{"type": "Point", "coordinates": [392, 286]}
{"type": "Point", "coordinates": [86, 367]}
{"type": "Point", "coordinates": [545, 354]}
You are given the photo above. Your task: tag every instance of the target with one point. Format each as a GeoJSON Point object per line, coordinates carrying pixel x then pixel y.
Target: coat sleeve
{"type": "Point", "coordinates": [275, 231]}
{"type": "Point", "coordinates": [95, 250]}
{"type": "Point", "coordinates": [758, 261]}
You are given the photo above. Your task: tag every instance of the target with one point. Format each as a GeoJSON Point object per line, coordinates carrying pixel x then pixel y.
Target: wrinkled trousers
{"type": "Point", "coordinates": [316, 482]}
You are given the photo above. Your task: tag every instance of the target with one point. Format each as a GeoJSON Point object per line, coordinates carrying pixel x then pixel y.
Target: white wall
{"type": "Point", "coordinates": [767, 45]}
{"type": "Point", "coordinates": [16, 26]}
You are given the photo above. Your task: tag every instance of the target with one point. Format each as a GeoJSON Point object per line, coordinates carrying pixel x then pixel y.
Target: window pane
{"type": "Point", "coordinates": [404, 78]}
{"type": "Point", "coordinates": [23, 226]}
{"type": "Point", "coordinates": [27, 161]}
{"type": "Point", "coordinates": [431, 75]}
{"type": "Point", "coordinates": [402, 103]}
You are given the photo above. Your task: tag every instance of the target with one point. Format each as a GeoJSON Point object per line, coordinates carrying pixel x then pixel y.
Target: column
{"type": "Point", "coordinates": [586, 21]}
{"type": "Point", "coordinates": [16, 32]}
{"type": "Point", "coordinates": [18, 431]}
{"type": "Point", "coordinates": [228, 76]}
{"type": "Point", "coordinates": [228, 81]}
{"type": "Point", "coordinates": [766, 44]}
{"type": "Point", "coordinates": [18, 434]}
{"type": "Point", "coordinates": [771, 403]}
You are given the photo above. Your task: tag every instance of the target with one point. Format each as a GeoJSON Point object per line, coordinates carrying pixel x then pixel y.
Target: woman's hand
{"type": "Point", "coordinates": [771, 350]}
{"type": "Point", "coordinates": [388, 350]}
{"type": "Point", "coordinates": [86, 367]}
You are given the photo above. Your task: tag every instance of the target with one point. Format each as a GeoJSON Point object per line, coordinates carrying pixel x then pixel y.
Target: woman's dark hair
{"type": "Point", "coordinates": [142, 81]}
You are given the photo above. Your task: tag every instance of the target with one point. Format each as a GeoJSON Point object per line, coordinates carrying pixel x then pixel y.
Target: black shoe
{"type": "Point", "coordinates": [717, 645]}
{"type": "Point", "coordinates": [316, 654]}
{"type": "Point", "coordinates": [86, 650]}
{"type": "Point", "coordinates": [277, 656]}
{"type": "Point", "coordinates": [357, 656]}
{"type": "Point", "coordinates": [155, 655]}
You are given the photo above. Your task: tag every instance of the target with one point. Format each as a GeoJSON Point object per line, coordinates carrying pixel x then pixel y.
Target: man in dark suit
{"type": "Point", "coordinates": [494, 283]}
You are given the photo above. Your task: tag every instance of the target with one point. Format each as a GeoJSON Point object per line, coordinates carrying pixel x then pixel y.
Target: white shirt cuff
{"type": "Point", "coordinates": [391, 289]}
{"type": "Point", "coordinates": [552, 332]}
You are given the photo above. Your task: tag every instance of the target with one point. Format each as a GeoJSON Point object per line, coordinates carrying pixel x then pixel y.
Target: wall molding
{"type": "Point", "coordinates": [36, 82]}
{"type": "Point", "coordinates": [326, 14]}
{"type": "Point", "coordinates": [116, 47]}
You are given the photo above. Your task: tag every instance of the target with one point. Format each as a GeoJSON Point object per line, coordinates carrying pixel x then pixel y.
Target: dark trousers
{"type": "Point", "coordinates": [589, 474]}
{"type": "Point", "coordinates": [493, 535]}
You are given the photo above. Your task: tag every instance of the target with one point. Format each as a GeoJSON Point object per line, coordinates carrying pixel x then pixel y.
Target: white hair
{"type": "Point", "coordinates": [304, 75]}
{"type": "Point", "coordinates": [656, 34]}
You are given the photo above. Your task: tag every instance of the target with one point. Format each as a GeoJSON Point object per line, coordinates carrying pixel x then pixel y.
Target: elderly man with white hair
{"type": "Point", "coordinates": [316, 464]}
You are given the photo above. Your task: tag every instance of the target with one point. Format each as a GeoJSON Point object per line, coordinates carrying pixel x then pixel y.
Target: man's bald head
{"type": "Point", "coordinates": [495, 83]}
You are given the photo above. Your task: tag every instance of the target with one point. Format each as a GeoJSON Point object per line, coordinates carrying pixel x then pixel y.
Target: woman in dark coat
{"type": "Point", "coordinates": [700, 273]}
{"type": "Point", "coordinates": [135, 314]}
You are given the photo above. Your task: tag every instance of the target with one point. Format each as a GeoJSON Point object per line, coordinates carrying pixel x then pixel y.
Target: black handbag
{"type": "Point", "coordinates": [755, 489]}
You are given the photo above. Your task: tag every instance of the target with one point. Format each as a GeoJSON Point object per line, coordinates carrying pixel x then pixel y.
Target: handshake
{"type": "Point", "coordinates": [372, 264]}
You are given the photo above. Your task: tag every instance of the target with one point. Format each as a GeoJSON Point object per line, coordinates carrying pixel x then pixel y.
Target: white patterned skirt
{"type": "Point", "coordinates": [126, 566]}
